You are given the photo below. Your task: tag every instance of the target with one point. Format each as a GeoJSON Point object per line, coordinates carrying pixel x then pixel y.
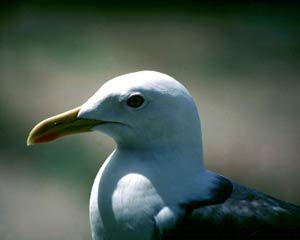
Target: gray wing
{"type": "Point", "coordinates": [245, 213]}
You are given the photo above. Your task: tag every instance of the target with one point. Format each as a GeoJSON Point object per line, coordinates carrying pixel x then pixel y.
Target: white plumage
{"type": "Point", "coordinates": [155, 185]}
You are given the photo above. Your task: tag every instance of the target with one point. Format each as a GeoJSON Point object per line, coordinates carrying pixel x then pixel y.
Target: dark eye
{"type": "Point", "coordinates": [135, 101]}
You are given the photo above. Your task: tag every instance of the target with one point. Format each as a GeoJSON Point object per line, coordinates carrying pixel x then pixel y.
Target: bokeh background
{"type": "Point", "coordinates": [241, 62]}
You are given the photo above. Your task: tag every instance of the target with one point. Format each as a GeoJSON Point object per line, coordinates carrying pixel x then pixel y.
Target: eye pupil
{"type": "Point", "coordinates": [135, 101]}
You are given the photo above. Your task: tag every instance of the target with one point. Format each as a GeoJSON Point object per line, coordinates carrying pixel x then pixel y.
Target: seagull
{"type": "Point", "coordinates": [154, 185]}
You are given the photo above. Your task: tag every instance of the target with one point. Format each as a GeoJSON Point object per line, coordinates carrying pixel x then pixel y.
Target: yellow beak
{"type": "Point", "coordinates": [60, 125]}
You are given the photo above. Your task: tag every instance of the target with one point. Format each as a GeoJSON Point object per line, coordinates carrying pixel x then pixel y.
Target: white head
{"type": "Point", "coordinates": [143, 110]}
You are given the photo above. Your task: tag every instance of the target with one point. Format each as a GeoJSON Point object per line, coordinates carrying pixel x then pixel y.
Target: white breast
{"type": "Point", "coordinates": [122, 205]}
{"type": "Point", "coordinates": [135, 202]}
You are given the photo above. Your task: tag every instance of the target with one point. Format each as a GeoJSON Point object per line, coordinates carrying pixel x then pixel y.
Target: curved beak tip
{"type": "Point", "coordinates": [66, 123]}
{"type": "Point", "coordinates": [28, 142]}
{"type": "Point", "coordinates": [52, 128]}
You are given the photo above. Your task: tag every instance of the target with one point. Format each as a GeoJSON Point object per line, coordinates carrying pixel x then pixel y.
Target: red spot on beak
{"type": "Point", "coordinates": [47, 137]}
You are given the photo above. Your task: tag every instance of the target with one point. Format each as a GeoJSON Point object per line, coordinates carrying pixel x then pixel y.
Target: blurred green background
{"type": "Point", "coordinates": [240, 62]}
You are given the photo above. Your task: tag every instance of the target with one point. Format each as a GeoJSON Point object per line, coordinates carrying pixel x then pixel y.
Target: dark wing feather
{"type": "Point", "coordinates": [247, 213]}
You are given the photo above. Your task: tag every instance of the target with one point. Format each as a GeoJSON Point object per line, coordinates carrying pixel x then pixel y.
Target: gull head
{"type": "Point", "coordinates": [144, 109]}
